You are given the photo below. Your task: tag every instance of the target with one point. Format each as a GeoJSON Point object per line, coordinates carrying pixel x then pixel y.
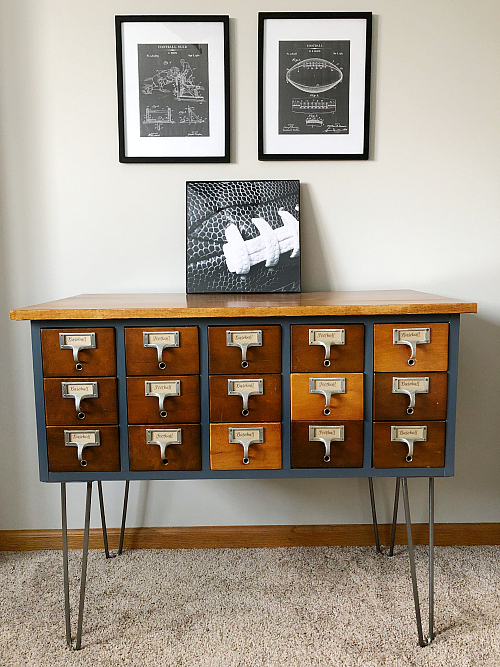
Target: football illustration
{"type": "Point", "coordinates": [314, 75]}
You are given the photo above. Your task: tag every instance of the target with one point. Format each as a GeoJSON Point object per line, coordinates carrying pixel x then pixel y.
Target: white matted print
{"type": "Point", "coordinates": [173, 88]}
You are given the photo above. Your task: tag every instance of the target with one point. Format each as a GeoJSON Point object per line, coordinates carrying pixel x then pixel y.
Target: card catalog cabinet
{"type": "Point", "coordinates": [173, 387]}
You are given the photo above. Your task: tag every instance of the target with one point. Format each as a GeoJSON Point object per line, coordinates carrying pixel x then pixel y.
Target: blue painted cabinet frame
{"type": "Point", "coordinates": [286, 471]}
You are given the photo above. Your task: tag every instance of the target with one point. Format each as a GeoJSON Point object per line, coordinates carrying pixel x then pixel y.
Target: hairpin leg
{"type": "Point", "coordinates": [64, 525]}
{"type": "Point", "coordinates": [411, 555]}
{"type": "Point", "coordinates": [395, 516]}
{"type": "Point", "coordinates": [84, 567]}
{"type": "Point", "coordinates": [430, 636]}
{"type": "Point", "coordinates": [103, 521]}
{"type": "Point", "coordinates": [124, 516]}
{"type": "Point", "coordinates": [374, 515]}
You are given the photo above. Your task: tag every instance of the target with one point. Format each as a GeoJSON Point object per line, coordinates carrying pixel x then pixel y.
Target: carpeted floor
{"type": "Point", "coordinates": [297, 607]}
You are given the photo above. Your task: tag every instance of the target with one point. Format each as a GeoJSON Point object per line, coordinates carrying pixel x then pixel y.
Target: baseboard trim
{"type": "Point", "coordinates": [234, 537]}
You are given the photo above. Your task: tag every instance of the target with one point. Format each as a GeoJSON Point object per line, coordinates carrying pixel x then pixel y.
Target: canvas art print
{"type": "Point", "coordinates": [242, 236]}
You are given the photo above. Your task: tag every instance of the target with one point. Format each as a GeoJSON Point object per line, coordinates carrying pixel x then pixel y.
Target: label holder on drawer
{"type": "Point", "coordinates": [246, 437]}
{"type": "Point", "coordinates": [77, 342]}
{"type": "Point", "coordinates": [244, 340]}
{"type": "Point", "coordinates": [410, 386]}
{"type": "Point", "coordinates": [411, 337]}
{"type": "Point", "coordinates": [326, 435]}
{"type": "Point", "coordinates": [164, 437]}
{"type": "Point", "coordinates": [327, 338]}
{"type": "Point", "coordinates": [160, 340]}
{"type": "Point", "coordinates": [245, 388]}
{"type": "Point", "coordinates": [79, 391]}
{"type": "Point", "coordinates": [330, 386]}
{"type": "Point", "coordinates": [162, 390]}
{"type": "Point", "coordinates": [409, 435]}
{"type": "Point", "coordinates": [82, 439]}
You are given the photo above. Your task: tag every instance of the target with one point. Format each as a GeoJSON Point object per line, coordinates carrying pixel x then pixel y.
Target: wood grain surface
{"type": "Point", "coordinates": [306, 406]}
{"type": "Point", "coordinates": [229, 456]}
{"type": "Point", "coordinates": [144, 360]}
{"type": "Point", "coordinates": [348, 358]}
{"type": "Point", "coordinates": [186, 456]}
{"type": "Point", "coordinates": [343, 454]}
{"type": "Point", "coordinates": [387, 405]}
{"type": "Point", "coordinates": [121, 306]}
{"type": "Point", "coordinates": [225, 359]}
{"type": "Point", "coordinates": [184, 409]}
{"type": "Point", "coordinates": [265, 407]}
{"type": "Point", "coordinates": [392, 358]}
{"type": "Point", "coordinates": [104, 458]}
{"type": "Point", "coordinates": [61, 411]}
{"type": "Point", "coordinates": [428, 454]}
{"type": "Point", "coordinates": [98, 362]}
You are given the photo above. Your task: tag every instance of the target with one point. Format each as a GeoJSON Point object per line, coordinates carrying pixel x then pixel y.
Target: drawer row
{"type": "Point", "coordinates": [244, 399]}
{"type": "Point", "coordinates": [254, 446]}
{"type": "Point", "coordinates": [244, 350]}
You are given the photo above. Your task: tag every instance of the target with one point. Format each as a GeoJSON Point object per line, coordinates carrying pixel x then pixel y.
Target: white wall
{"type": "Point", "coordinates": [422, 213]}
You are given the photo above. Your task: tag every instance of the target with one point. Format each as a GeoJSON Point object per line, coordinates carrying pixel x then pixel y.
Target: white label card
{"type": "Point", "coordinates": [245, 337]}
{"type": "Point", "coordinates": [88, 437]}
{"type": "Point", "coordinates": [246, 434]}
{"type": "Point", "coordinates": [332, 432]}
{"type": "Point", "coordinates": [421, 335]}
{"type": "Point", "coordinates": [171, 435]}
{"type": "Point", "coordinates": [80, 389]}
{"type": "Point", "coordinates": [163, 387]}
{"type": "Point", "coordinates": [78, 339]}
{"type": "Point", "coordinates": [162, 338]}
{"type": "Point", "coordinates": [329, 385]}
{"type": "Point", "coordinates": [332, 336]}
{"type": "Point", "coordinates": [242, 385]}
{"type": "Point", "coordinates": [412, 384]}
{"type": "Point", "coordinates": [416, 433]}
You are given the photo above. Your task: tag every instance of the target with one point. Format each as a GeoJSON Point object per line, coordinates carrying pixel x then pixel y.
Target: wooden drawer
{"type": "Point", "coordinates": [389, 454]}
{"type": "Point", "coordinates": [346, 453]}
{"type": "Point", "coordinates": [264, 407]}
{"type": "Point", "coordinates": [98, 361]}
{"type": "Point", "coordinates": [309, 355]}
{"type": "Point", "coordinates": [311, 406]}
{"type": "Point", "coordinates": [159, 360]}
{"type": "Point", "coordinates": [431, 405]}
{"type": "Point", "coordinates": [393, 357]}
{"type": "Point", "coordinates": [227, 359]}
{"type": "Point", "coordinates": [104, 457]}
{"type": "Point", "coordinates": [183, 455]}
{"type": "Point", "coordinates": [60, 411]}
{"type": "Point", "coordinates": [225, 455]}
{"type": "Point", "coordinates": [182, 409]}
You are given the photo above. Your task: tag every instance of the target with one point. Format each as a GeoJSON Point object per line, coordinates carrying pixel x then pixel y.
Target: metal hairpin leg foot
{"type": "Point", "coordinates": [395, 516]}
{"type": "Point", "coordinates": [411, 555]}
{"type": "Point", "coordinates": [124, 516]}
{"type": "Point", "coordinates": [374, 515]}
{"type": "Point", "coordinates": [430, 636]}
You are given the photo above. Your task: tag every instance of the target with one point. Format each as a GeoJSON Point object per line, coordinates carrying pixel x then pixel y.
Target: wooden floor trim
{"type": "Point", "coordinates": [213, 537]}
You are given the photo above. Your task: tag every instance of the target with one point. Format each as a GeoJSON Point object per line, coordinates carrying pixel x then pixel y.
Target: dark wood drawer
{"type": "Point", "coordinates": [182, 449]}
{"type": "Point", "coordinates": [100, 409]}
{"type": "Point", "coordinates": [311, 406]}
{"type": "Point", "coordinates": [310, 345]}
{"type": "Point", "coordinates": [98, 361]}
{"type": "Point", "coordinates": [428, 405]}
{"type": "Point", "coordinates": [180, 354]}
{"type": "Point", "coordinates": [312, 453]}
{"type": "Point", "coordinates": [104, 457]}
{"type": "Point", "coordinates": [264, 407]}
{"type": "Point", "coordinates": [227, 359]}
{"type": "Point", "coordinates": [390, 454]}
{"type": "Point", "coordinates": [392, 357]}
{"type": "Point", "coordinates": [182, 409]}
{"type": "Point", "coordinates": [226, 455]}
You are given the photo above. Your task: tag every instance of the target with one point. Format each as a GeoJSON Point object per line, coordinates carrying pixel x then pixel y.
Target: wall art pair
{"type": "Point", "coordinates": [313, 87]}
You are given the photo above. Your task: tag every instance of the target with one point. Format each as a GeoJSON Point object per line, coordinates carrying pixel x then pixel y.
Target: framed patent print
{"type": "Point", "coordinates": [173, 88]}
{"type": "Point", "coordinates": [314, 85]}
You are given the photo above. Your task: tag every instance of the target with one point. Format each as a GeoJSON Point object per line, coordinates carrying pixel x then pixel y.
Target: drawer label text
{"type": "Point", "coordinates": [414, 433]}
{"type": "Point", "coordinates": [80, 389]}
{"type": "Point", "coordinates": [332, 336]}
{"type": "Point", "coordinates": [330, 433]}
{"type": "Point", "coordinates": [164, 338]}
{"type": "Point", "coordinates": [167, 435]}
{"type": "Point", "coordinates": [412, 384]}
{"type": "Point", "coordinates": [246, 337]}
{"type": "Point", "coordinates": [419, 335]}
{"type": "Point", "coordinates": [88, 437]}
{"type": "Point", "coordinates": [78, 339]}
{"type": "Point", "coordinates": [336, 385]}
{"type": "Point", "coordinates": [164, 387]}
{"type": "Point", "coordinates": [247, 433]}
{"type": "Point", "coordinates": [245, 385]}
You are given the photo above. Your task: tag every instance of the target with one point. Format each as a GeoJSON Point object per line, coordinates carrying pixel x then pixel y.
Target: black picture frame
{"type": "Point", "coordinates": [314, 73]}
{"type": "Point", "coordinates": [173, 88]}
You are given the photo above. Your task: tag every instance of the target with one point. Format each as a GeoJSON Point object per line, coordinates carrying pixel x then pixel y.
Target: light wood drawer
{"type": "Point", "coordinates": [346, 453]}
{"type": "Point", "coordinates": [102, 458]}
{"type": "Point", "coordinates": [431, 405]}
{"type": "Point", "coordinates": [389, 454]}
{"type": "Point", "coordinates": [225, 455]}
{"type": "Point", "coordinates": [312, 406]}
{"type": "Point", "coordinates": [183, 455]}
{"type": "Point", "coordinates": [98, 361]}
{"type": "Point", "coordinates": [161, 360]}
{"type": "Point", "coordinates": [391, 357]}
{"type": "Point", "coordinates": [264, 407]}
{"type": "Point", "coordinates": [227, 359]}
{"type": "Point", "coordinates": [100, 409]}
{"type": "Point", "coordinates": [309, 355]}
{"type": "Point", "coordinates": [182, 409]}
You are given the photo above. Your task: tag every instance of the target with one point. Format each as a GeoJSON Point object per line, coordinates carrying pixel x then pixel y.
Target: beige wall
{"type": "Point", "coordinates": [422, 213]}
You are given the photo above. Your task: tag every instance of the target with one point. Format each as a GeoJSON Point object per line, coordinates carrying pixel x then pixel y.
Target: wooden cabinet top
{"type": "Point", "coordinates": [307, 304]}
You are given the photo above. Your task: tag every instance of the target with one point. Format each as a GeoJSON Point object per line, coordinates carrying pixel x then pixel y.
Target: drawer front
{"type": "Point", "coordinates": [312, 406]}
{"type": "Point", "coordinates": [92, 362]}
{"type": "Point", "coordinates": [168, 351]}
{"type": "Point", "coordinates": [429, 394]}
{"type": "Point", "coordinates": [104, 457]}
{"type": "Point", "coordinates": [225, 407]}
{"type": "Point", "coordinates": [346, 453]}
{"type": "Point", "coordinates": [225, 455]}
{"type": "Point", "coordinates": [100, 409]}
{"type": "Point", "coordinates": [390, 454]}
{"type": "Point", "coordinates": [318, 347]}
{"type": "Point", "coordinates": [182, 450]}
{"type": "Point", "coordinates": [265, 358]}
{"type": "Point", "coordinates": [183, 409]}
{"type": "Point", "coordinates": [390, 357]}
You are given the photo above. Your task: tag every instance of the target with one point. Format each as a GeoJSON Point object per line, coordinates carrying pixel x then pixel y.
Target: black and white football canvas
{"type": "Point", "coordinates": [242, 236]}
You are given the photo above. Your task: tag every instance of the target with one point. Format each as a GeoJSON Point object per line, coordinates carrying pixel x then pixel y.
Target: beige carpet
{"type": "Point", "coordinates": [251, 608]}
